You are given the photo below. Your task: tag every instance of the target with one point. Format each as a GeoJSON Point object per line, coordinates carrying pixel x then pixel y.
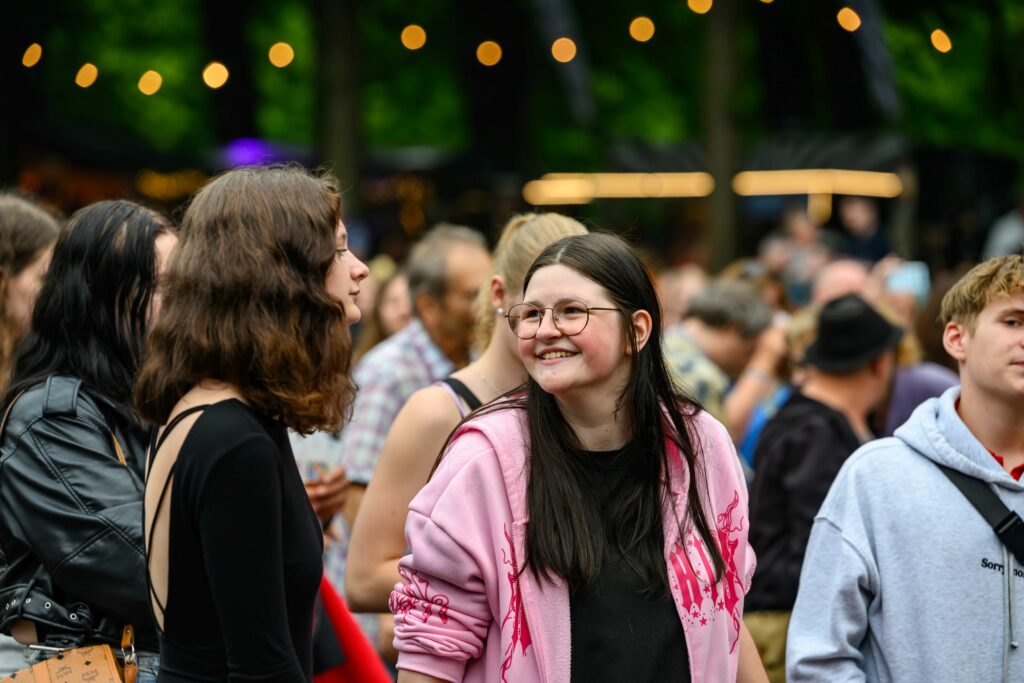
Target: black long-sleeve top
{"type": "Point", "coordinates": [245, 561]}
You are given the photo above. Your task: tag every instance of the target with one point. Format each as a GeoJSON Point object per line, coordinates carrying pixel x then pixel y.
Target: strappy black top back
{"type": "Point", "coordinates": [245, 553]}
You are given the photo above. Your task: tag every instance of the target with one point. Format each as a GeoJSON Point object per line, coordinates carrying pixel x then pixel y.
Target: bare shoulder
{"type": "Point", "coordinates": [430, 408]}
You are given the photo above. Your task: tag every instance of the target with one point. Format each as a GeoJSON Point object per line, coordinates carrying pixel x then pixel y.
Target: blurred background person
{"type": "Point", "coordinates": [798, 333]}
{"type": "Point", "coordinates": [914, 381]}
{"type": "Point", "coordinates": [838, 278]}
{"type": "Point", "coordinates": [428, 418]}
{"type": "Point", "coordinates": [726, 352]}
{"type": "Point", "coordinates": [73, 545]}
{"type": "Point", "coordinates": [27, 234]}
{"type": "Point", "coordinates": [769, 284]}
{"type": "Point", "coordinates": [391, 312]}
{"type": "Point", "coordinates": [800, 452]}
{"type": "Point", "coordinates": [862, 237]}
{"type": "Point", "coordinates": [676, 286]}
{"type": "Point", "coordinates": [795, 252]}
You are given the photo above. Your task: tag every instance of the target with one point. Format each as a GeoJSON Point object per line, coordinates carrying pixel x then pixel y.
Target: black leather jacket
{"type": "Point", "coordinates": [72, 558]}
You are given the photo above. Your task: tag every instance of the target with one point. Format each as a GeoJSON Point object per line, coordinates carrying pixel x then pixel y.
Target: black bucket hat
{"type": "Point", "coordinates": [851, 334]}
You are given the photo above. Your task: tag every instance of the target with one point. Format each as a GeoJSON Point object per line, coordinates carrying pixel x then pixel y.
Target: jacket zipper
{"type": "Point", "coordinates": [522, 606]}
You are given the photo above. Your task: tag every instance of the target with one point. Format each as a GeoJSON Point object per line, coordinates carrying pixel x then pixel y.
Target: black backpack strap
{"type": "Point", "coordinates": [1007, 524]}
{"type": "Point", "coordinates": [464, 393]}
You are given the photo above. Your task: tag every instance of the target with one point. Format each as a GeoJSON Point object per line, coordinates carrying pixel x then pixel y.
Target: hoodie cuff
{"type": "Point", "coordinates": [439, 667]}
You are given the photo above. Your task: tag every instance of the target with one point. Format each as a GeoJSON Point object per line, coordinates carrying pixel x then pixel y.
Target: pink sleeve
{"type": "Point", "coordinates": [729, 477]}
{"type": "Point", "coordinates": [443, 605]}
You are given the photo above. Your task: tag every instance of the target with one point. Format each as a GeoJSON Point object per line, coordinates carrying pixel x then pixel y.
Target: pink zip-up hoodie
{"type": "Point", "coordinates": [465, 613]}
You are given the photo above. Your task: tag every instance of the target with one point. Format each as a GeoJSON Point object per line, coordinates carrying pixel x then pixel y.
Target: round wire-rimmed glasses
{"type": "Point", "coordinates": [570, 317]}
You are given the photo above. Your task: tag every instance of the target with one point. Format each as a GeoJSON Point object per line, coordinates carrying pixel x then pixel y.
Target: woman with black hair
{"type": "Point", "coordinates": [73, 452]}
{"type": "Point", "coordinates": [592, 527]}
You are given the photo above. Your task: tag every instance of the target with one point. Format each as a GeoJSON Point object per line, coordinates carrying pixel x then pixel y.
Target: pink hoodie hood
{"type": "Point", "coordinates": [466, 613]}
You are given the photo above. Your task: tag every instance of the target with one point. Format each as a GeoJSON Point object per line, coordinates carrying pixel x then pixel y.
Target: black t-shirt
{"type": "Point", "coordinates": [246, 555]}
{"type": "Point", "coordinates": [618, 633]}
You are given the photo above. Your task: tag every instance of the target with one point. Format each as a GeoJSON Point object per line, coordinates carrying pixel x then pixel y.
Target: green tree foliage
{"type": "Point", "coordinates": [972, 96]}
{"type": "Point", "coordinates": [125, 38]}
{"type": "Point", "coordinates": [286, 97]}
{"type": "Point", "coordinates": [411, 97]}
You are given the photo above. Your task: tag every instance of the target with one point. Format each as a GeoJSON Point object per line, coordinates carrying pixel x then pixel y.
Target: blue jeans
{"type": "Point", "coordinates": [149, 663]}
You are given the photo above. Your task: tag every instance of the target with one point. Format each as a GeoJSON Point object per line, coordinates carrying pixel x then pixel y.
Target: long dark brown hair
{"type": "Point", "coordinates": [91, 317]}
{"type": "Point", "coordinates": [566, 532]}
{"type": "Point", "coordinates": [245, 301]}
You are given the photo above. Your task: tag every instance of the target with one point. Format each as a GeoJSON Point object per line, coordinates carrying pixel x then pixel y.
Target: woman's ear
{"type": "Point", "coordinates": [498, 292]}
{"type": "Point", "coordinates": [642, 328]}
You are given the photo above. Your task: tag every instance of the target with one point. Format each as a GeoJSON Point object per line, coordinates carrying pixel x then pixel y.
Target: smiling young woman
{"type": "Point", "coordinates": [592, 527]}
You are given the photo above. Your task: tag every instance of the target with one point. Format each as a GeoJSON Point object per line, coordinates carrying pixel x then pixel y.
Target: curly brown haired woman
{"type": "Point", "coordinates": [252, 340]}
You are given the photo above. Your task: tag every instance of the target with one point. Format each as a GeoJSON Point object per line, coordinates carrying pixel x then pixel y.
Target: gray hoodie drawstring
{"type": "Point", "coordinates": [1008, 608]}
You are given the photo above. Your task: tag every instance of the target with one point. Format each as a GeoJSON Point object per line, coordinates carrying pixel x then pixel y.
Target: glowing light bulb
{"type": "Point", "coordinates": [150, 82]}
{"type": "Point", "coordinates": [215, 75]}
{"type": "Point", "coordinates": [33, 53]}
{"type": "Point", "coordinates": [488, 53]}
{"type": "Point", "coordinates": [414, 37]}
{"type": "Point", "coordinates": [641, 29]}
{"type": "Point", "coordinates": [86, 75]}
{"type": "Point", "coordinates": [281, 55]}
{"type": "Point", "coordinates": [563, 50]}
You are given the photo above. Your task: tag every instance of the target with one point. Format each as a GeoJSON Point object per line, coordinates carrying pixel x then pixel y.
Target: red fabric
{"type": "Point", "coordinates": [1015, 472]}
{"type": "Point", "coordinates": [362, 663]}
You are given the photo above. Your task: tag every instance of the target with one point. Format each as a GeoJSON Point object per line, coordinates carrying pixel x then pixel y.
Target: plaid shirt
{"type": "Point", "coordinates": [693, 370]}
{"type": "Point", "coordinates": [387, 376]}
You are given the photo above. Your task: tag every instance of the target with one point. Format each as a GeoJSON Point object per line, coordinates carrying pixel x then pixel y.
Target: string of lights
{"type": "Point", "coordinates": [414, 37]}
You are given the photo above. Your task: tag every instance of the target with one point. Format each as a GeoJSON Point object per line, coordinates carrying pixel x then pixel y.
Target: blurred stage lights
{"type": "Point", "coordinates": [150, 82]}
{"type": "Point", "coordinates": [941, 41]}
{"type": "Point", "coordinates": [582, 188]}
{"type": "Point", "coordinates": [563, 50]}
{"type": "Point", "coordinates": [848, 19]}
{"type": "Point", "coordinates": [488, 53]}
{"type": "Point", "coordinates": [699, 6]}
{"type": "Point", "coordinates": [281, 54]}
{"type": "Point", "coordinates": [818, 184]}
{"type": "Point", "coordinates": [33, 53]}
{"type": "Point", "coordinates": [413, 37]}
{"type": "Point", "coordinates": [215, 75]}
{"type": "Point", "coordinates": [86, 75]}
{"type": "Point", "coordinates": [641, 29]}
{"type": "Point", "coordinates": [818, 181]}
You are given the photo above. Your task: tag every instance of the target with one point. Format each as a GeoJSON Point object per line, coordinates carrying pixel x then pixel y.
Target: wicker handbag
{"type": "Point", "coordinates": [88, 664]}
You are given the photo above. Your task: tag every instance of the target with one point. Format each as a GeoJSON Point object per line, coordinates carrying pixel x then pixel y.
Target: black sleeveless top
{"type": "Point", "coordinates": [245, 554]}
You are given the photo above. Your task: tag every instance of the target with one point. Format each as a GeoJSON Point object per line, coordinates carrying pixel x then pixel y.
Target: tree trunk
{"type": "Point", "coordinates": [338, 108]}
{"type": "Point", "coordinates": [721, 130]}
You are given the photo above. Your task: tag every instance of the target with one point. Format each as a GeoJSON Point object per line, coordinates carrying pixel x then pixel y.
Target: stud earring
{"type": "Point", "coordinates": [501, 311]}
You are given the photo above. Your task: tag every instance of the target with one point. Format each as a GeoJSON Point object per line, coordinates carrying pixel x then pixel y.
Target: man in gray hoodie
{"type": "Point", "coordinates": [903, 579]}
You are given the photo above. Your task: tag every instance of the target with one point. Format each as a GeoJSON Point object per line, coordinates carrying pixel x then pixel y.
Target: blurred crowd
{"type": "Point", "coordinates": [820, 343]}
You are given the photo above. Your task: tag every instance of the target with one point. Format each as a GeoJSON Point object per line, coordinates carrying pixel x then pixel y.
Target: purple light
{"type": "Point", "coordinates": [248, 151]}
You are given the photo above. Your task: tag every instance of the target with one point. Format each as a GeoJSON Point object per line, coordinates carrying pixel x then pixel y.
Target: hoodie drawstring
{"type": "Point", "coordinates": [1008, 609]}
